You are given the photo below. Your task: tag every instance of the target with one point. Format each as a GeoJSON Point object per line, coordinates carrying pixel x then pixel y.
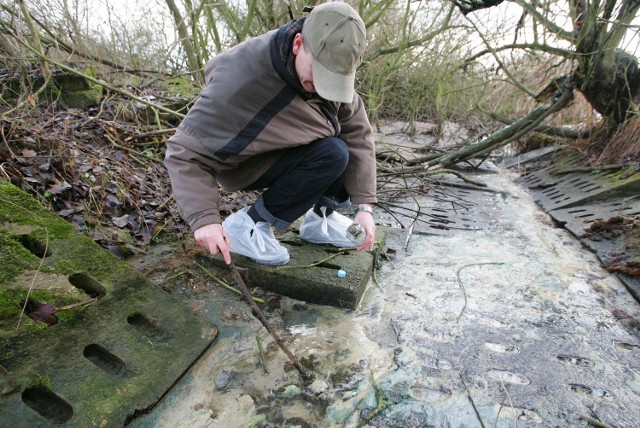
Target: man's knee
{"type": "Point", "coordinates": [335, 152]}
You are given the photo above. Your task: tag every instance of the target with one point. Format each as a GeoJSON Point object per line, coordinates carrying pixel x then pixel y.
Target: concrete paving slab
{"type": "Point", "coordinates": [555, 186]}
{"type": "Point", "coordinates": [577, 219]}
{"type": "Point", "coordinates": [312, 273]}
{"type": "Point", "coordinates": [96, 365]}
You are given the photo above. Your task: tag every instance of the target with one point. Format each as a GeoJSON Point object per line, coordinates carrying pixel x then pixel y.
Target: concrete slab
{"type": "Point", "coordinates": [555, 186]}
{"type": "Point", "coordinates": [97, 365]}
{"type": "Point", "coordinates": [311, 274]}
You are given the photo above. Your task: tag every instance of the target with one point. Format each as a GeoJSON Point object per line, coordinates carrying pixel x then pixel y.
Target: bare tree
{"type": "Point", "coordinates": [608, 76]}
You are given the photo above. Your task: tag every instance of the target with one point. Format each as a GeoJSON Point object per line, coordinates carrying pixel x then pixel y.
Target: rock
{"type": "Point", "coordinates": [317, 387]}
{"type": "Point", "coordinates": [290, 391]}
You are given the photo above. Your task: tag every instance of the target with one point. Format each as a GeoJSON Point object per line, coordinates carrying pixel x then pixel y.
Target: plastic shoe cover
{"type": "Point", "coordinates": [326, 229]}
{"type": "Point", "coordinates": [254, 240]}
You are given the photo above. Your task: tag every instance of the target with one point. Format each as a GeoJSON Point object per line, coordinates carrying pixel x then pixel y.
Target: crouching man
{"type": "Point", "coordinates": [279, 112]}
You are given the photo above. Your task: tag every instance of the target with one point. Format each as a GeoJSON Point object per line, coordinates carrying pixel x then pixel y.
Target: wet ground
{"type": "Point", "coordinates": [507, 323]}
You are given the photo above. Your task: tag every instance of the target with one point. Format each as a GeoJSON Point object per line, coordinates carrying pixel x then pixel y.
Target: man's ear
{"type": "Point", "coordinates": [297, 43]}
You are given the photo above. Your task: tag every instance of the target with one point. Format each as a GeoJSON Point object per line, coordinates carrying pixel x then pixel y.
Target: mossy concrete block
{"type": "Point", "coordinates": [303, 278]}
{"type": "Point", "coordinates": [99, 364]}
{"type": "Point", "coordinates": [176, 94]}
{"type": "Point", "coordinates": [73, 90]}
{"type": "Point", "coordinates": [77, 91]}
{"type": "Point", "coordinates": [82, 99]}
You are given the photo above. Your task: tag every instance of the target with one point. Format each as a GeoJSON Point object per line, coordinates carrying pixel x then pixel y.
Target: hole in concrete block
{"type": "Point", "coordinates": [40, 312]}
{"type": "Point", "coordinates": [293, 243]}
{"type": "Point", "coordinates": [35, 246]}
{"type": "Point", "coordinates": [329, 266]}
{"type": "Point", "coordinates": [584, 185]}
{"type": "Point", "coordinates": [148, 327]}
{"type": "Point", "coordinates": [586, 215]}
{"type": "Point", "coordinates": [89, 285]}
{"type": "Point", "coordinates": [103, 359]}
{"type": "Point", "coordinates": [440, 220]}
{"type": "Point", "coordinates": [592, 187]}
{"type": "Point", "coordinates": [440, 227]}
{"type": "Point", "coordinates": [577, 211]}
{"type": "Point", "coordinates": [47, 404]}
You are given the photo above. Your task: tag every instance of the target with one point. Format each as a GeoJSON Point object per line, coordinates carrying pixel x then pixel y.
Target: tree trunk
{"type": "Point", "coordinates": [610, 88]}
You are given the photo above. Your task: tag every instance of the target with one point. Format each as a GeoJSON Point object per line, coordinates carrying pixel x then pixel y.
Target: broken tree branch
{"type": "Point", "coordinates": [509, 133]}
{"type": "Point", "coordinates": [258, 313]}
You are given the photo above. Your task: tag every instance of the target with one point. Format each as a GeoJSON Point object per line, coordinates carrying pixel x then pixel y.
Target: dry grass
{"type": "Point", "coordinates": [622, 146]}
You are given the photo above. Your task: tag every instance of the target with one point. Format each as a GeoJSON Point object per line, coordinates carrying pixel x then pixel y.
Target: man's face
{"type": "Point", "coordinates": [303, 64]}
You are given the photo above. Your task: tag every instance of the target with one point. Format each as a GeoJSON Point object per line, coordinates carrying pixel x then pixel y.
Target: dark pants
{"type": "Point", "coordinates": [303, 176]}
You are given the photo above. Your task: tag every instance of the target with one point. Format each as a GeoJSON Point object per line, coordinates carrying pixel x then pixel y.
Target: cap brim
{"type": "Point", "coordinates": [332, 86]}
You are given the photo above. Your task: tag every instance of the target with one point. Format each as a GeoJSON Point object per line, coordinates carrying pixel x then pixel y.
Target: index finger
{"type": "Point", "coordinates": [224, 249]}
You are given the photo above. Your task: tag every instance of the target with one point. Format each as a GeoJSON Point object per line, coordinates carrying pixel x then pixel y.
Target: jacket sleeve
{"type": "Point", "coordinates": [360, 174]}
{"type": "Point", "coordinates": [193, 180]}
{"type": "Point", "coordinates": [192, 171]}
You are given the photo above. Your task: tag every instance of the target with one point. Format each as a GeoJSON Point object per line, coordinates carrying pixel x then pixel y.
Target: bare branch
{"type": "Point", "coordinates": [513, 79]}
{"type": "Point", "coordinates": [525, 46]}
{"type": "Point", "coordinates": [413, 43]}
{"type": "Point", "coordinates": [549, 25]}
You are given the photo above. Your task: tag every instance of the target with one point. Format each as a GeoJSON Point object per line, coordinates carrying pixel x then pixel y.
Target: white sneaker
{"type": "Point", "coordinates": [329, 229]}
{"type": "Point", "coordinates": [254, 240]}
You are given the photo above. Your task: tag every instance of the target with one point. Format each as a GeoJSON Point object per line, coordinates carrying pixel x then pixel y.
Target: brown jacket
{"type": "Point", "coordinates": [248, 114]}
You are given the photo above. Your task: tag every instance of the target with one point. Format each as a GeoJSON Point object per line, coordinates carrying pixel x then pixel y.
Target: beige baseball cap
{"type": "Point", "coordinates": [337, 37]}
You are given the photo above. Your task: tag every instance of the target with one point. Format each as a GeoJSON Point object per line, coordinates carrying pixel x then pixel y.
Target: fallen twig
{"type": "Point", "coordinates": [457, 174]}
{"type": "Point", "coordinates": [462, 288]}
{"type": "Point", "coordinates": [225, 285]}
{"type": "Point", "coordinates": [13, 385]}
{"type": "Point", "coordinates": [319, 262]}
{"type": "Point", "coordinates": [258, 313]}
{"type": "Point", "coordinates": [473, 404]}
{"type": "Point", "coordinates": [381, 403]}
{"type": "Point", "coordinates": [33, 281]}
{"type": "Point", "coordinates": [75, 305]}
{"type": "Point", "coordinates": [593, 422]}
{"type": "Point", "coordinates": [261, 354]}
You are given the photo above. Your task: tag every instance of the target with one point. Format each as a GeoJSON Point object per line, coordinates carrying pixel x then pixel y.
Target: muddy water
{"type": "Point", "coordinates": [514, 324]}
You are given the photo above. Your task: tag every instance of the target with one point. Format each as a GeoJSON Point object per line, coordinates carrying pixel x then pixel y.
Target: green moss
{"type": "Point", "coordinates": [80, 254]}
{"type": "Point", "coordinates": [40, 381]}
{"type": "Point", "coordinates": [17, 206]}
{"type": "Point", "coordinates": [179, 87]}
{"type": "Point", "coordinates": [14, 258]}
{"type": "Point", "coordinates": [71, 252]}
